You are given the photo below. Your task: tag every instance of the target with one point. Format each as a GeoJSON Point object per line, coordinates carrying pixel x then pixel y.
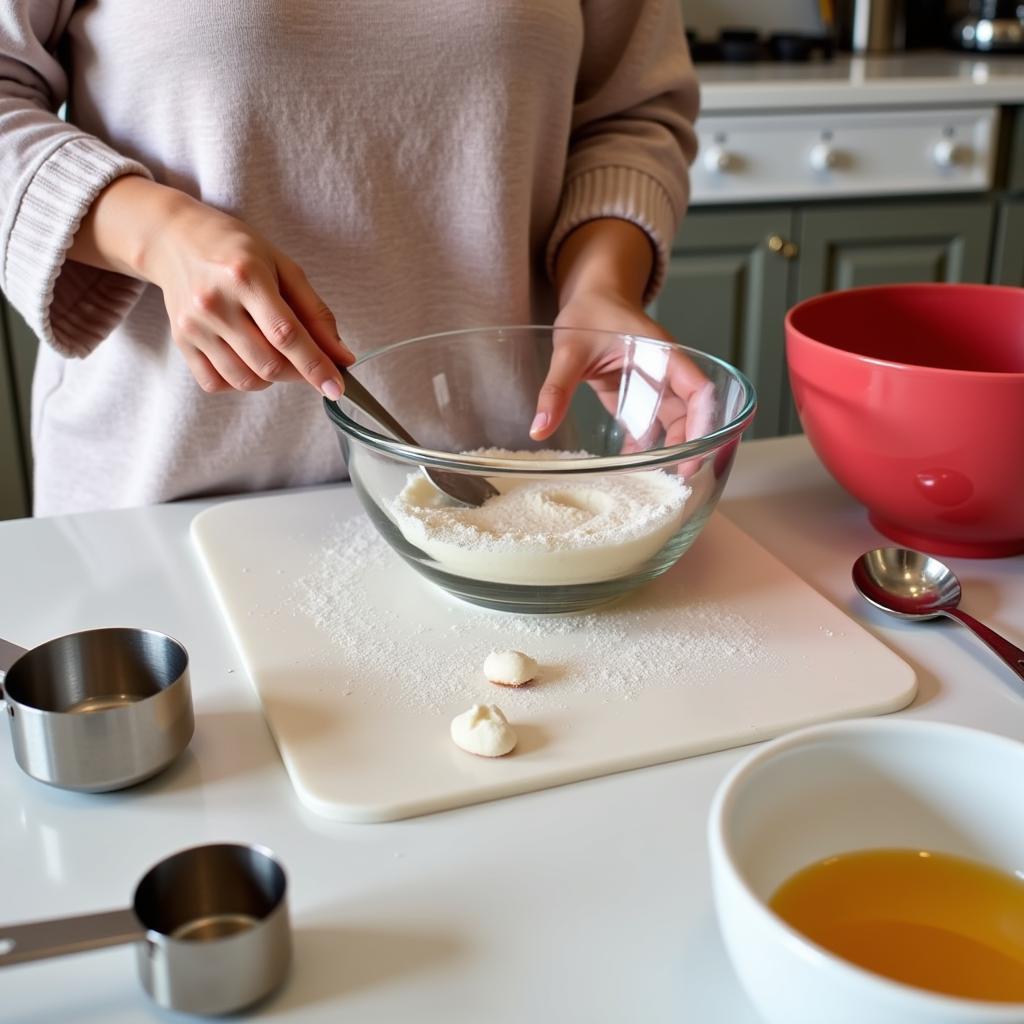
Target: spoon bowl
{"type": "Point", "coordinates": [906, 583]}
{"type": "Point", "coordinates": [913, 585]}
{"type": "Point", "coordinates": [462, 488]}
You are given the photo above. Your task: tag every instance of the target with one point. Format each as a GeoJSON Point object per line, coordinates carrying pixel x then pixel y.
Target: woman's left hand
{"type": "Point", "coordinates": [601, 275]}
{"type": "Point", "coordinates": [680, 404]}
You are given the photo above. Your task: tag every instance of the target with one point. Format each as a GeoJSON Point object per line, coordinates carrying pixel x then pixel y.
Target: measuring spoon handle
{"type": "Point", "coordinates": [39, 940]}
{"type": "Point", "coordinates": [1013, 656]}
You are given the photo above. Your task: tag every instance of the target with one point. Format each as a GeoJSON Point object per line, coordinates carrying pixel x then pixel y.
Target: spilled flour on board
{"type": "Point", "coordinates": [392, 635]}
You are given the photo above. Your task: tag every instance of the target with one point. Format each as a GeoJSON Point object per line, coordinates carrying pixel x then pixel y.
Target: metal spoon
{"type": "Point", "coordinates": [913, 585]}
{"type": "Point", "coordinates": [465, 489]}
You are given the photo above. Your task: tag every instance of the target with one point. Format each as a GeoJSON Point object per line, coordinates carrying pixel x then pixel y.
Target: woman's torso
{"type": "Point", "coordinates": [409, 156]}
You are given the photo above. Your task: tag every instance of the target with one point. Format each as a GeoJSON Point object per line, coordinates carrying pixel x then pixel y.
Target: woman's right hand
{"type": "Point", "coordinates": [242, 313]}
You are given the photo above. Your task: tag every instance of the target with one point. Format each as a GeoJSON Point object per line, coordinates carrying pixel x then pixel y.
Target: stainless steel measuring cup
{"type": "Point", "coordinates": [97, 710]}
{"type": "Point", "coordinates": [210, 925]}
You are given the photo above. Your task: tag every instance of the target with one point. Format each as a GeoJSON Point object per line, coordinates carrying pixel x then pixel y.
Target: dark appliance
{"type": "Point", "coordinates": [991, 26]}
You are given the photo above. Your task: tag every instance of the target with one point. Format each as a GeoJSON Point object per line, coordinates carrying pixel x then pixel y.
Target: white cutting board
{"type": "Point", "coordinates": [357, 753]}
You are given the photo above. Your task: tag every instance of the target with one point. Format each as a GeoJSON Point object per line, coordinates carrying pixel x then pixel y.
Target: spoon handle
{"type": "Point", "coordinates": [359, 396]}
{"type": "Point", "coordinates": [1013, 656]}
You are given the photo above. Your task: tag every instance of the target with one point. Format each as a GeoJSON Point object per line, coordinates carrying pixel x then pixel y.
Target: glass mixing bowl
{"type": "Point", "coordinates": [611, 500]}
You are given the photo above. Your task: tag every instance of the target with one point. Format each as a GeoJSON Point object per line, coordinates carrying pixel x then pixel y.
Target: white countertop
{"type": "Point", "coordinates": [586, 903]}
{"type": "Point", "coordinates": [890, 81]}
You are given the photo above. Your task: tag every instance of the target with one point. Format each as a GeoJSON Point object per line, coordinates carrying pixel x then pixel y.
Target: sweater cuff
{"type": "Point", "coordinates": [625, 193]}
{"type": "Point", "coordinates": [71, 306]}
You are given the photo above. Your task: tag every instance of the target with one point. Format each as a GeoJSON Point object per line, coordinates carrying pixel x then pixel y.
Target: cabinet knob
{"type": "Point", "coordinates": [788, 250]}
{"type": "Point", "coordinates": [823, 157]}
{"type": "Point", "coordinates": [947, 153]}
{"type": "Point", "coordinates": [717, 160]}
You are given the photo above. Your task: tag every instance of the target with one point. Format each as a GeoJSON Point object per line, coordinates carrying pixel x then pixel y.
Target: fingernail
{"type": "Point", "coordinates": [331, 389]}
{"type": "Point", "coordinates": [540, 421]}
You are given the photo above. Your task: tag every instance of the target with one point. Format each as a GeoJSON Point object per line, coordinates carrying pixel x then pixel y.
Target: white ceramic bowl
{"type": "Point", "coordinates": [848, 786]}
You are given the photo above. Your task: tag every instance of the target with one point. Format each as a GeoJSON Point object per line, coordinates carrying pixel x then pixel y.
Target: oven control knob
{"type": "Point", "coordinates": [946, 153]}
{"type": "Point", "coordinates": [717, 160]}
{"type": "Point", "coordinates": [823, 157]}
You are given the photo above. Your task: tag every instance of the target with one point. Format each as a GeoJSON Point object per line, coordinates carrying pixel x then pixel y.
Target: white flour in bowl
{"type": "Point", "coordinates": [547, 531]}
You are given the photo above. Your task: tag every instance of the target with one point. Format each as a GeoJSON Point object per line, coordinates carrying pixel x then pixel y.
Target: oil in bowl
{"type": "Point", "coordinates": [925, 918]}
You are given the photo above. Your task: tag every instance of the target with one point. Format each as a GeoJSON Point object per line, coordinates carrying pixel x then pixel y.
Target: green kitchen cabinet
{"type": "Point", "coordinates": [861, 244]}
{"type": "Point", "coordinates": [735, 272]}
{"type": "Point", "coordinates": [23, 345]}
{"type": "Point", "coordinates": [726, 293]}
{"type": "Point", "coordinates": [1015, 160]}
{"type": "Point", "coordinates": [15, 373]}
{"type": "Point", "coordinates": [881, 243]}
{"type": "Point", "coordinates": [1008, 255]}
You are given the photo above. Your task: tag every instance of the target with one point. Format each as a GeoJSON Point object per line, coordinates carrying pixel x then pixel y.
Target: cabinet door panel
{"type": "Point", "coordinates": [1015, 170]}
{"type": "Point", "coordinates": [726, 294]}
{"type": "Point", "coordinates": [856, 266]}
{"type": "Point", "coordinates": [1008, 267]}
{"type": "Point", "coordinates": [14, 498]}
{"type": "Point", "coordinates": [845, 247]}
{"type": "Point", "coordinates": [23, 345]}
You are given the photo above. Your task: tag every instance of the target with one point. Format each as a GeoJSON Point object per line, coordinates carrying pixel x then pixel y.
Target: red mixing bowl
{"type": "Point", "coordinates": [913, 398]}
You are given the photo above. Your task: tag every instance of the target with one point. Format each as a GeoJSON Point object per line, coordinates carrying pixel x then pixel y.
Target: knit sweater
{"type": "Point", "coordinates": [421, 161]}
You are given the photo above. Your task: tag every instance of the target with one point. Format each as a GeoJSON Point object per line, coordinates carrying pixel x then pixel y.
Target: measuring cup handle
{"type": "Point", "coordinates": [9, 654]}
{"type": "Point", "coordinates": [40, 940]}
{"type": "Point", "coordinates": [1012, 655]}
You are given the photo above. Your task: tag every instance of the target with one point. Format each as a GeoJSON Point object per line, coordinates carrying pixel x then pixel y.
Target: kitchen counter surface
{"type": "Point", "coordinates": [589, 902]}
{"type": "Point", "coordinates": [889, 81]}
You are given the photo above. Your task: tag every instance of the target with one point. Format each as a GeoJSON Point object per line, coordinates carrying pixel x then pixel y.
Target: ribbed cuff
{"type": "Point", "coordinates": [71, 306]}
{"type": "Point", "coordinates": [622, 192]}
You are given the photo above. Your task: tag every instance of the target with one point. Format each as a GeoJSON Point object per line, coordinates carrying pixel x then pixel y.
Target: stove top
{"type": "Point", "coordinates": [747, 46]}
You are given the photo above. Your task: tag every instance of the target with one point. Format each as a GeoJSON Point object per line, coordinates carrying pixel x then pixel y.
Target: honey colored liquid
{"type": "Point", "coordinates": [927, 919]}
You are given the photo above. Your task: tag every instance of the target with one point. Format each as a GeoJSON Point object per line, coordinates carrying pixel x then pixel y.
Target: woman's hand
{"type": "Point", "coordinates": [242, 313]}
{"type": "Point", "coordinates": [602, 273]}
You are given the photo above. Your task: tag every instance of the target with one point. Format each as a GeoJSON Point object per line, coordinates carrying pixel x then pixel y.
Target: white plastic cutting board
{"type": "Point", "coordinates": [353, 755]}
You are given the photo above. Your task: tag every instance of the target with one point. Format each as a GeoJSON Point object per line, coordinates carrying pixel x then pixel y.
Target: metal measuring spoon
{"type": "Point", "coordinates": [913, 585]}
{"type": "Point", "coordinates": [465, 489]}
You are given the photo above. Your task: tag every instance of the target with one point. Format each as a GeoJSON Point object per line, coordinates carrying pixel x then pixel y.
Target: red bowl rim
{"type": "Point", "coordinates": [1017, 376]}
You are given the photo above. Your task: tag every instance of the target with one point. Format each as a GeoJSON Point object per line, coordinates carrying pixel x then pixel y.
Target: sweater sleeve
{"type": "Point", "coordinates": [50, 174]}
{"type": "Point", "coordinates": [632, 131]}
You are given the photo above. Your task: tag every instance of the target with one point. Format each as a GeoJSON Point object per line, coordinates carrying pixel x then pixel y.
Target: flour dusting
{"type": "Point", "coordinates": [391, 635]}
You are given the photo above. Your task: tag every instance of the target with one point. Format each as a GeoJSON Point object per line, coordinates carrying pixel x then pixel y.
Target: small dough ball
{"type": "Point", "coordinates": [483, 730]}
{"type": "Point", "coordinates": [510, 668]}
